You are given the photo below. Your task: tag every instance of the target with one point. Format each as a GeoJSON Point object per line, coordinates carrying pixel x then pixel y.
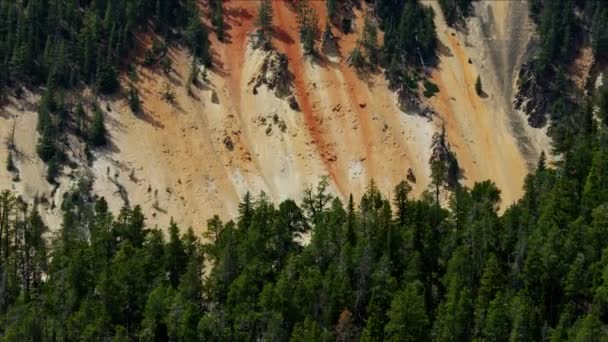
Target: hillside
{"type": "Point", "coordinates": [198, 156]}
{"type": "Point", "coordinates": [357, 170]}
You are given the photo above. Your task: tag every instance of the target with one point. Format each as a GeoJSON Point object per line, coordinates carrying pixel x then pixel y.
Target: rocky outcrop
{"type": "Point", "coordinates": [532, 97]}
{"type": "Point", "coordinates": [274, 74]}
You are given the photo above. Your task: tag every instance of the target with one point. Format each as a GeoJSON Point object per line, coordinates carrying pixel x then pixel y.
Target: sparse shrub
{"type": "Point", "coordinates": [478, 87]}
{"type": "Point", "coordinates": [168, 94]}
{"type": "Point", "coordinates": [430, 89]}
{"type": "Point", "coordinates": [165, 64]}
{"type": "Point", "coordinates": [158, 48]}
{"type": "Point", "coordinates": [192, 77]}
{"type": "Point", "coordinates": [132, 73]}
{"type": "Point", "coordinates": [10, 166]}
{"type": "Point", "coordinates": [149, 58]}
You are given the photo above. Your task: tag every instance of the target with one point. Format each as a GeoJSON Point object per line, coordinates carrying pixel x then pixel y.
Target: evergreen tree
{"type": "Point", "coordinates": [218, 19]}
{"type": "Point", "coordinates": [176, 256]}
{"type": "Point", "coordinates": [308, 26]}
{"type": "Point", "coordinates": [407, 317]}
{"type": "Point", "coordinates": [369, 39]}
{"type": "Point", "coordinates": [134, 101]}
{"type": "Point", "coordinates": [97, 133]}
{"type": "Point", "coordinates": [264, 23]}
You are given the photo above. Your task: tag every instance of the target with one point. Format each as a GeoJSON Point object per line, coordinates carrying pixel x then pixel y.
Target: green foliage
{"type": "Point", "coordinates": [264, 23]}
{"type": "Point", "coordinates": [387, 267]}
{"type": "Point", "coordinates": [134, 102]}
{"type": "Point", "coordinates": [418, 273]}
{"type": "Point", "coordinates": [430, 89]}
{"type": "Point", "coordinates": [218, 19]}
{"type": "Point", "coordinates": [47, 128]}
{"type": "Point", "coordinates": [308, 26]}
{"type": "Point", "coordinates": [107, 81]}
{"type": "Point", "coordinates": [85, 41]}
{"type": "Point", "coordinates": [52, 170]}
{"type": "Point", "coordinates": [557, 27]}
{"type": "Point", "coordinates": [455, 11]}
{"type": "Point", "coordinates": [97, 132]}
{"type": "Point", "coordinates": [369, 40]}
{"type": "Point", "coordinates": [197, 37]}
{"type": "Point", "coordinates": [10, 165]}
{"type": "Point", "coordinates": [409, 38]}
{"type": "Point", "coordinates": [356, 57]}
{"type": "Point", "coordinates": [408, 320]}
{"type": "Point", "coordinates": [166, 64]}
{"type": "Point", "coordinates": [599, 28]}
{"type": "Point", "coordinates": [168, 93]}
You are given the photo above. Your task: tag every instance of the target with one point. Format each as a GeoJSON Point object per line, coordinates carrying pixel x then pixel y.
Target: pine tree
{"type": "Point", "coordinates": [264, 23]}
{"type": "Point", "coordinates": [97, 132]}
{"type": "Point", "coordinates": [400, 202]}
{"type": "Point", "coordinates": [408, 320]}
{"type": "Point", "coordinates": [176, 255]}
{"type": "Point", "coordinates": [46, 148]}
{"type": "Point", "coordinates": [134, 102]}
{"type": "Point", "coordinates": [356, 58]}
{"type": "Point", "coordinates": [218, 19]}
{"type": "Point", "coordinates": [308, 26]}
{"type": "Point", "coordinates": [369, 40]}
{"type": "Point", "coordinates": [107, 78]}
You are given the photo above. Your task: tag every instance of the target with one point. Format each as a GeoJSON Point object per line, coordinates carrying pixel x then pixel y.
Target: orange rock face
{"type": "Point", "coordinates": [199, 155]}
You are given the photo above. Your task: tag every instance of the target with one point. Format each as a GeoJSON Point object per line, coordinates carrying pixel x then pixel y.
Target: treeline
{"type": "Point", "coordinates": [65, 42]}
{"type": "Point", "coordinates": [62, 44]}
{"type": "Point", "coordinates": [384, 268]}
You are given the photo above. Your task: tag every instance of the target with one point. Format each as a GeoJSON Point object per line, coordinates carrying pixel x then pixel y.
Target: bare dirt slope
{"type": "Point", "coordinates": [199, 156]}
{"type": "Point", "coordinates": [491, 139]}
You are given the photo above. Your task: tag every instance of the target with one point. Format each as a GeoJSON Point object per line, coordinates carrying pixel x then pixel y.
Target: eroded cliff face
{"type": "Point", "coordinates": [491, 139]}
{"type": "Point", "coordinates": [249, 127]}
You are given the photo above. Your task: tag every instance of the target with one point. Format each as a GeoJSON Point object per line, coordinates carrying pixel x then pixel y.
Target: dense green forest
{"type": "Point", "coordinates": [383, 267]}
{"type": "Point", "coordinates": [69, 42]}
